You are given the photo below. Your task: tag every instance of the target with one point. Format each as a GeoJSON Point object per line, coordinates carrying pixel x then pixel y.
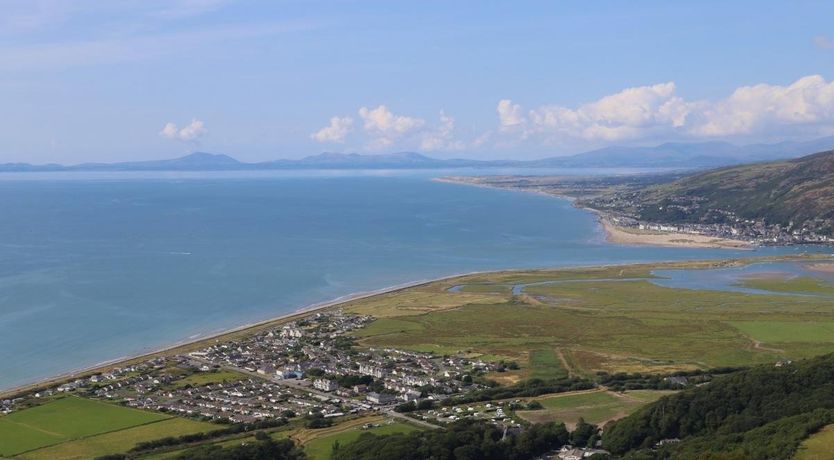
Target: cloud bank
{"type": "Point", "coordinates": [381, 128]}
{"type": "Point", "coordinates": [656, 111]}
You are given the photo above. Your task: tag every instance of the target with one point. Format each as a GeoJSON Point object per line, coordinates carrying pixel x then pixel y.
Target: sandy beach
{"type": "Point", "coordinates": [822, 267]}
{"type": "Point", "coordinates": [621, 235]}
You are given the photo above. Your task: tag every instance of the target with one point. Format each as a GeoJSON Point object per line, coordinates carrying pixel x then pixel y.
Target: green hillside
{"type": "Point", "coordinates": [796, 193]}
{"type": "Point", "coordinates": [761, 413]}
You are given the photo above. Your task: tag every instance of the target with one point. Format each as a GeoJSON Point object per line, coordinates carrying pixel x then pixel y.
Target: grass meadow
{"type": "Point", "coordinates": [819, 446]}
{"type": "Point", "coordinates": [72, 427]}
{"type": "Point", "coordinates": [595, 407]}
{"type": "Point", "coordinates": [611, 319]}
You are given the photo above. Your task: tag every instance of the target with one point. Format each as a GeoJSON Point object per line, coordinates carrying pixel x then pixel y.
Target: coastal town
{"type": "Point", "coordinates": [306, 368]}
{"type": "Point", "coordinates": [718, 223]}
{"type": "Point", "coordinates": [620, 202]}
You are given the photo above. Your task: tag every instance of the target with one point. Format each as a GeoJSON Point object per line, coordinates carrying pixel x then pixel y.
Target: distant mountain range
{"type": "Point", "coordinates": [688, 155]}
{"type": "Point", "coordinates": [671, 155]}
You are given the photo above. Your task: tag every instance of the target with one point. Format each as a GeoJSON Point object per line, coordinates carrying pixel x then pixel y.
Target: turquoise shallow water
{"type": "Point", "coordinates": [97, 267]}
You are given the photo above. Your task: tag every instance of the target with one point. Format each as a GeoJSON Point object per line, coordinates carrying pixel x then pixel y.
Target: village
{"type": "Point", "coordinates": [309, 367]}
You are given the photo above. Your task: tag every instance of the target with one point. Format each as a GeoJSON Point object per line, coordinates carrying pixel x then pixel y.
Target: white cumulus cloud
{"type": "Point", "coordinates": [627, 114]}
{"type": "Point", "coordinates": [509, 114]}
{"type": "Point", "coordinates": [441, 137]}
{"type": "Point", "coordinates": [380, 128]}
{"type": "Point", "coordinates": [385, 127]}
{"type": "Point", "coordinates": [656, 111]}
{"type": "Point", "coordinates": [336, 131]}
{"type": "Point", "coordinates": [383, 121]}
{"type": "Point", "coordinates": [191, 132]}
{"type": "Point", "coordinates": [808, 101]}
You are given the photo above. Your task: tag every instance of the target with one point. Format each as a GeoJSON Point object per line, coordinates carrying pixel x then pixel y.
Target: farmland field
{"type": "Point", "coordinates": [83, 424]}
{"type": "Point", "coordinates": [64, 419]}
{"type": "Point", "coordinates": [118, 441]}
{"type": "Point", "coordinates": [595, 406]}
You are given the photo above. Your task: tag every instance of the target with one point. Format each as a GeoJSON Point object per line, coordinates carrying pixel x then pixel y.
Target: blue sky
{"type": "Point", "coordinates": [89, 80]}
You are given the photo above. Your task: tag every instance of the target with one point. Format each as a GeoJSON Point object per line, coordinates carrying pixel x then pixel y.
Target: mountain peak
{"type": "Point", "coordinates": [210, 158]}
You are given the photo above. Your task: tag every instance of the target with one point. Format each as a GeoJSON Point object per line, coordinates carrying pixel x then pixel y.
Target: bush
{"type": "Point", "coordinates": [534, 405]}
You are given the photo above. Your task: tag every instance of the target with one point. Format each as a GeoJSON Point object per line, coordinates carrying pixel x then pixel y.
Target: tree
{"type": "Point", "coordinates": [583, 433]}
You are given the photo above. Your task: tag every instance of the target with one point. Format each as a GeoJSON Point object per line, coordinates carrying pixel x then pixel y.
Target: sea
{"type": "Point", "coordinates": [100, 266]}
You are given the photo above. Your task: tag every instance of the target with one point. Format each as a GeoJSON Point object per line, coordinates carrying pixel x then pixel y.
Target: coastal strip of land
{"type": "Point", "coordinates": [185, 346]}
{"type": "Point", "coordinates": [350, 300]}
{"type": "Point", "coordinates": [572, 188]}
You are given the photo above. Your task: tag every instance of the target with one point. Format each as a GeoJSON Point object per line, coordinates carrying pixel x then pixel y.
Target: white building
{"type": "Point", "coordinates": [325, 385]}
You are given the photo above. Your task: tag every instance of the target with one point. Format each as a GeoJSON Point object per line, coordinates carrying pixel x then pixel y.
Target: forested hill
{"type": "Point", "coordinates": [760, 413]}
{"type": "Point", "coordinates": [795, 193]}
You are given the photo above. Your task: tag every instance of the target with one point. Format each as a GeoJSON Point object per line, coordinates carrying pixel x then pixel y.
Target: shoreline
{"type": "Point", "coordinates": [197, 339]}
{"type": "Point", "coordinates": [456, 180]}
{"type": "Point", "coordinates": [623, 235]}
{"type": "Point", "coordinates": [616, 234]}
{"type": "Point", "coordinates": [187, 345]}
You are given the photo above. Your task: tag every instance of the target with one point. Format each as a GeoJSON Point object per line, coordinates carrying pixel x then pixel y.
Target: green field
{"type": "Point", "coordinates": [64, 419]}
{"type": "Point", "coordinates": [320, 448]}
{"type": "Point", "coordinates": [203, 378]}
{"type": "Point", "coordinates": [605, 325]}
{"type": "Point", "coordinates": [801, 284]}
{"type": "Point", "coordinates": [72, 424]}
{"type": "Point", "coordinates": [545, 364]}
{"type": "Point", "coordinates": [488, 288]}
{"type": "Point", "coordinates": [787, 331]}
{"type": "Point", "coordinates": [820, 446]}
{"type": "Point", "coordinates": [118, 441]}
{"type": "Point", "coordinates": [594, 406]}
